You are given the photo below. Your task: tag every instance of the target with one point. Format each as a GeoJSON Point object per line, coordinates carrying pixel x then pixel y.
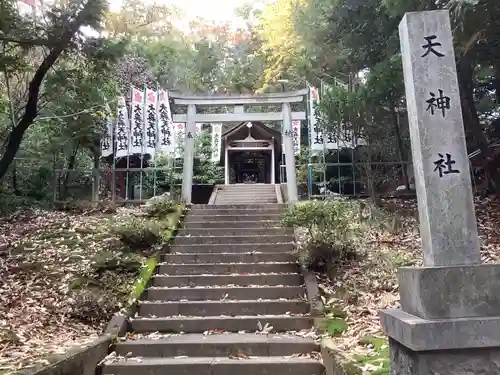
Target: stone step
{"type": "Point", "coordinates": [246, 191]}
{"type": "Point", "coordinates": [251, 206]}
{"type": "Point", "coordinates": [227, 268]}
{"type": "Point", "coordinates": [216, 366]}
{"type": "Point", "coordinates": [227, 308]}
{"type": "Point", "coordinates": [223, 240]}
{"type": "Point", "coordinates": [228, 201]}
{"type": "Point", "coordinates": [232, 217]}
{"type": "Point", "coordinates": [200, 324]}
{"type": "Point", "coordinates": [231, 224]}
{"type": "Point", "coordinates": [217, 345]}
{"type": "Point", "coordinates": [228, 258]}
{"type": "Point", "coordinates": [230, 293]}
{"type": "Point", "coordinates": [252, 199]}
{"type": "Point", "coordinates": [245, 232]}
{"type": "Point", "coordinates": [258, 198]}
{"type": "Point", "coordinates": [231, 248]}
{"type": "Point", "coordinates": [255, 194]}
{"type": "Point", "coordinates": [226, 210]}
{"type": "Point", "coordinates": [246, 187]}
{"type": "Point", "coordinates": [293, 279]}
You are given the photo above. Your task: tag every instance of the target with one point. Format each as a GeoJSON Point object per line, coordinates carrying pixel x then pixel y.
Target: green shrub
{"type": "Point", "coordinates": [160, 207]}
{"type": "Point", "coordinates": [139, 233]}
{"type": "Point", "coordinates": [336, 326]}
{"type": "Point", "coordinates": [332, 231]}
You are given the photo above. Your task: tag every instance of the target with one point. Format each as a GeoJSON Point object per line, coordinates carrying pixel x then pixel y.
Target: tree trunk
{"type": "Point", "coordinates": [31, 108]}
{"type": "Point", "coordinates": [15, 187]}
{"type": "Point", "coordinates": [30, 112]}
{"type": "Point", "coordinates": [399, 141]}
{"type": "Point", "coordinates": [97, 177]}
{"type": "Point", "coordinates": [466, 81]}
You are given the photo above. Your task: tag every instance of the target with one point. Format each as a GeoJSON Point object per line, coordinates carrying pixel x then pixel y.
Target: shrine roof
{"type": "Point", "coordinates": [266, 132]}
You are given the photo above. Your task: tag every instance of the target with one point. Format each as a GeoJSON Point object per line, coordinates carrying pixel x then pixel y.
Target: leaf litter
{"type": "Point", "coordinates": [361, 288]}
{"type": "Point", "coordinates": [62, 276]}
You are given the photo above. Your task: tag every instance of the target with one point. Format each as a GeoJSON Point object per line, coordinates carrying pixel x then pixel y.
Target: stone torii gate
{"type": "Point", "coordinates": [239, 115]}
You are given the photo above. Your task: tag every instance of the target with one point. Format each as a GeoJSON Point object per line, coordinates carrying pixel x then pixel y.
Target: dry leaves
{"type": "Point", "coordinates": [43, 256]}
{"type": "Point", "coordinates": [364, 287]}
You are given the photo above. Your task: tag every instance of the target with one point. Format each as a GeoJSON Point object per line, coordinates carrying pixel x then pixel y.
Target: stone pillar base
{"type": "Point", "coordinates": [404, 361]}
{"type": "Point", "coordinates": [449, 323]}
{"type": "Point", "coordinates": [464, 346]}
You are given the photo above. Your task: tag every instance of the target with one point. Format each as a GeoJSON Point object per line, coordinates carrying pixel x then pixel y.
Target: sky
{"type": "Point", "coordinates": [217, 10]}
{"type": "Point", "coordinates": [220, 11]}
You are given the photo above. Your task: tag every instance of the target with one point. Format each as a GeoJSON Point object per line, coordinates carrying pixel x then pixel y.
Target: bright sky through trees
{"type": "Point", "coordinates": [218, 11]}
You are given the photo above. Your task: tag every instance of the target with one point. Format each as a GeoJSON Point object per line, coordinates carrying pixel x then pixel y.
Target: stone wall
{"type": "Point", "coordinates": [80, 360]}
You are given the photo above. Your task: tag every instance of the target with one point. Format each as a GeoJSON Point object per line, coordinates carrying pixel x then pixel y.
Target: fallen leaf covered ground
{"type": "Point", "coordinates": [361, 288]}
{"type": "Point", "coordinates": [62, 276]}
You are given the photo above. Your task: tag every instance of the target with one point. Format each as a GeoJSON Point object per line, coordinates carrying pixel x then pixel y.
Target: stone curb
{"type": "Point", "coordinates": [213, 196]}
{"type": "Point", "coordinates": [279, 196]}
{"type": "Point", "coordinates": [79, 360]}
{"type": "Point", "coordinates": [312, 291]}
{"type": "Point", "coordinates": [332, 359]}
{"type": "Point", "coordinates": [313, 296]}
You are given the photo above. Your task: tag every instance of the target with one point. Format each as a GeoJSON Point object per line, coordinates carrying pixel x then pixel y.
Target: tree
{"type": "Point", "coordinates": [284, 50]}
{"type": "Point", "coordinates": [62, 36]}
{"type": "Point", "coordinates": [351, 36]}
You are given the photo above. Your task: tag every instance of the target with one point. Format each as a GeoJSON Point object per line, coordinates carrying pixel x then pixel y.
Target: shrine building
{"type": "Point", "coordinates": [251, 153]}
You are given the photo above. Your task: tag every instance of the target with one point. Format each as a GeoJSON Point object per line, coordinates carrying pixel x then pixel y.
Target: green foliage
{"type": "Point", "coordinates": [378, 359]}
{"type": "Point", "coordinates": [204, 170]}
{"type": "Point", "coordinates": [335, 326]}
{"type": "Point", "coordinates": [333, 231]}
{"type": "Point", "coordinates": [143, 279]}
{"type": "Point", "coordinates": [160, 207]}
{"type": "Point", "coordinates": [10, 203]}
{"type": "Point", "coordinates": [154, 227]}
{"type": "Point", "coordinates": [139, 233]}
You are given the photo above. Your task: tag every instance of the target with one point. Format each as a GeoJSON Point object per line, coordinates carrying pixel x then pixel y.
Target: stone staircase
{"type": "Point", "coordinates": [245, 194]}
{"type": "Point", "coordinates": [228, 300]}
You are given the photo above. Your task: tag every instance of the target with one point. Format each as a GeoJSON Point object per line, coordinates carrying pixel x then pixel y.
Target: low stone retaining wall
{"type": "Point", "coordinates": [79, 360]}
{"type": "Point", "coordinates": [333, 360]}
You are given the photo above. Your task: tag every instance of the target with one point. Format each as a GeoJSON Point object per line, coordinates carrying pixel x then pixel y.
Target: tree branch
{"type": "Point", "coordinates": [27, 42]}
{"type": "Point", "coordinates": [31, 110]}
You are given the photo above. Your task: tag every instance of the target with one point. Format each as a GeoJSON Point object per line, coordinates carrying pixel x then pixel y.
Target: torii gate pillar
{"type": "Point", "coordinates": [291, 179]}
{"type": "Point", "coordinates": [239, 115]}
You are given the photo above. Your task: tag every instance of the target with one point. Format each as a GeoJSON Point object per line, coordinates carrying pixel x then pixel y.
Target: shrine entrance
{"type": "Point", "coordinates": [249, 167]}
{"type": "Point", "coordinates": [263, 140]}
{"type": "Point", "coordinates": [252, 154]}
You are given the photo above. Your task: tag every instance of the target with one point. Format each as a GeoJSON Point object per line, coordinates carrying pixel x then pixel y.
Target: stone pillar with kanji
{"type": "Point", "coordinates": [449, 321]}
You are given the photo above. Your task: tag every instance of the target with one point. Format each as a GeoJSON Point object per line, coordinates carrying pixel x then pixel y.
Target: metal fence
{"type": "Point", "coordinates": [41, 180]}
{"type": "Point", "coordinates": [355, 179]}
{"type": "Point", "coordinates": [131, 185]}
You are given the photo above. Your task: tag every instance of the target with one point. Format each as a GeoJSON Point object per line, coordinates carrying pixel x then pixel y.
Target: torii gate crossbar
{"type": "Point", "coordinates": [239, 115]}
